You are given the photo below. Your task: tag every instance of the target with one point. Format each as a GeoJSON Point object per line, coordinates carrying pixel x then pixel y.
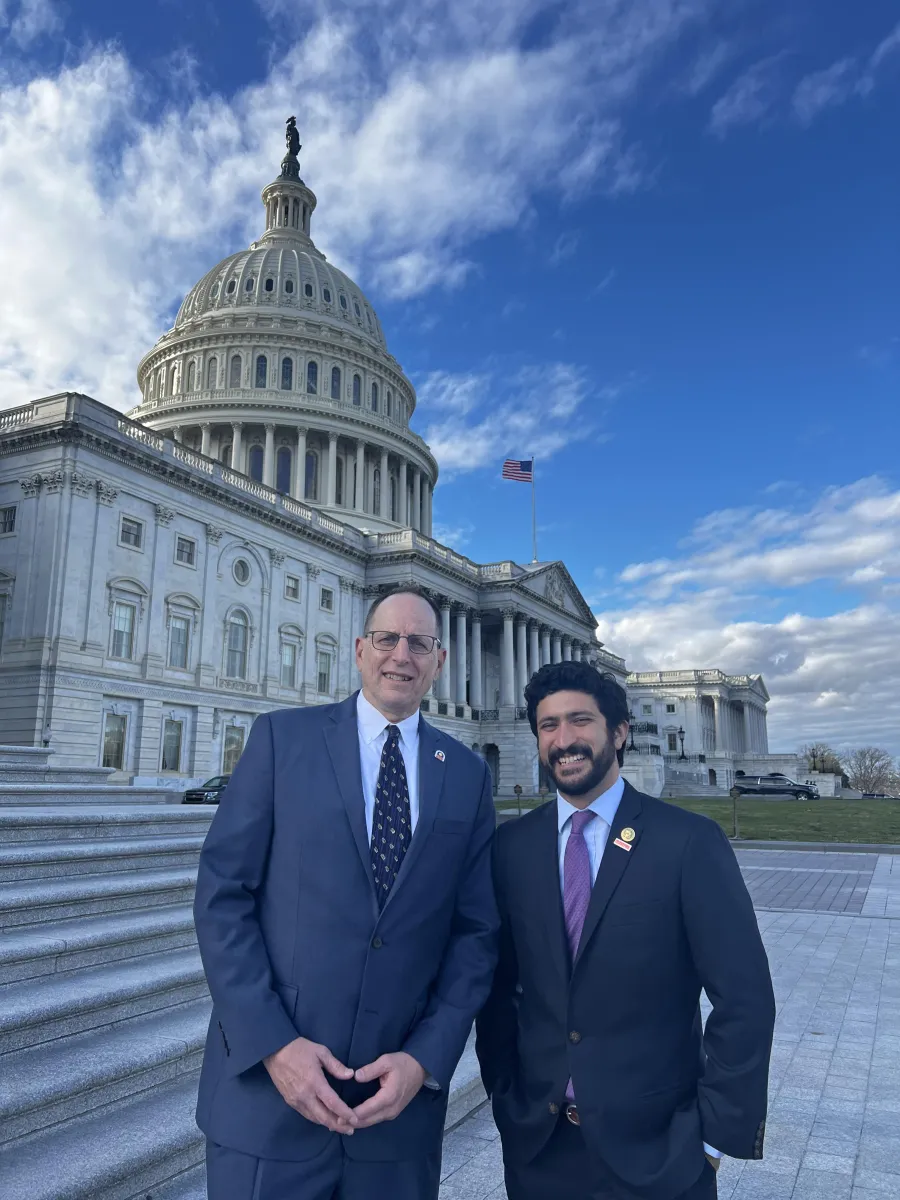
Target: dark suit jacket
{"type": "Point", "coordinates": [667, 918]}
{"type": "Point", "coordinates": [293, 944]}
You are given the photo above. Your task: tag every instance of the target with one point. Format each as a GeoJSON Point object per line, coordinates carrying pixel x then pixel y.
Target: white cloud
{"type": "Point", "coordinates": [749, 99]}
{"type": "Point", "coordinates": [825, 89]}
{"type": "Point", "coordinates": [890, 45]}
{"type": "Point", "coordinates": [425, 128]}
{"type": "Point", "coordinates": [564, 247]}
{"type": "Point", "coordinates": [27, 21]}
{"type": "Point", "coordinates": [834, 677]}
{"type": "Point", "coordinates": [706, 67]}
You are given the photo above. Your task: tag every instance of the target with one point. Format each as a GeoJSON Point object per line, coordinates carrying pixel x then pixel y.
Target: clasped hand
{"type": "Point", "coordinates": [298, 1071]}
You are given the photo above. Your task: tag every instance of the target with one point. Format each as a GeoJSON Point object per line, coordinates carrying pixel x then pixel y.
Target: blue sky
{"type": "Point", "coordinates": [654, 242]}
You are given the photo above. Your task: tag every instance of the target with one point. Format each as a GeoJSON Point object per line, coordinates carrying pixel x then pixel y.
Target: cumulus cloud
{"type": "Point", "coordinates": [425, 127]}
{"type": "Point", "coordinates": [833, 678]}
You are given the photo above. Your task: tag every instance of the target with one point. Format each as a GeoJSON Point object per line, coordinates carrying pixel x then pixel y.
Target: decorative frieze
{"type": "Point", "coordinates": [164, 516]}
{"type": "Point", "coordinates": [55, 481]}
{"type": "Point", "coordinates": [31, 485]}
{"type": "Point", "coordinates": [105, 494]}
{"type": "Point", "coordinates": [276, 557]}
{"type": "Point", "coordinates": [214, 534]}
{"type": "Point", "coordinates": [82, 485]}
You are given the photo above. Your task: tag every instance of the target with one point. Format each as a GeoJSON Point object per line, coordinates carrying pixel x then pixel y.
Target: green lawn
{"type": "Point", "coordinates": [826, 820]}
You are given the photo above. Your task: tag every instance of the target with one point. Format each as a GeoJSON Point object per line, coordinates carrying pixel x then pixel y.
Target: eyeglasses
{"type": "Point", "coordinates": [419, 643]}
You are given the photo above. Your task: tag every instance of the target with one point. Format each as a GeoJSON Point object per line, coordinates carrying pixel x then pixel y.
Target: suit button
{"type": "Point", "coordinates": [377, 943]}
{"type": "Point", "coordinates": [554, 1109]}
{"type": "Point", "coordinates": [575, 1037]}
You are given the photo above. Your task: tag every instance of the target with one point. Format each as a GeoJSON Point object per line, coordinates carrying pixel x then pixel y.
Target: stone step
{"type": "Point", "coordinates": [19, 794]}
{"type": "Point", "coordinates": [42, 901]}
{"type": "Point", "coordinates": [48, 860]}
{"type": "Point", "coordinates": [46, 1086]}
{"type": "Point", "coordinates": [35, 951]}
{"type": "Point", "coordinates": [33, 1012]}
{"type": "Point", "coordinates": [95, 822]}
{"type": "Point", "coordinates": [120, 1154]}
{"type": "Point", "coordinates": [190, 1185]}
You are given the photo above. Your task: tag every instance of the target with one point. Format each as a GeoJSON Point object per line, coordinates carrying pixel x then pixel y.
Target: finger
{"type": "Point", "coordinates": [314, 1110]}
{"type": "Point", "coordinates": [373, 1070]}
{"type": "Point", "coordinates": [334, 1104]}
{"type": "Point", "coordinates": [377, 1108]}
{"type": "Point", "coordinates": [334, 1066]}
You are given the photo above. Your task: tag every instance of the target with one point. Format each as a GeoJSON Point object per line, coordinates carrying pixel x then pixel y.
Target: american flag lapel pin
{"type": "Point", "coordinates": [439, 755]}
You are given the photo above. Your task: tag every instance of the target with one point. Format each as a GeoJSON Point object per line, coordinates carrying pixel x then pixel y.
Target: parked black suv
{"type": "Point", "coordinates": [774, 785]}
{"type": "Point", "coordinates": [207, 793]}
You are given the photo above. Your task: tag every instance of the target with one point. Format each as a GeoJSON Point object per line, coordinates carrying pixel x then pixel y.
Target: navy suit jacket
{"type": "Point", "coordinates": [667, 918]}
{"type": "Point", "coordinates": [293, 943]}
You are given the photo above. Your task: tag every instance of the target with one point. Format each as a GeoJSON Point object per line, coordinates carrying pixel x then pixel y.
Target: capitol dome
{"type": "Point", "coordinates": [277, 368]}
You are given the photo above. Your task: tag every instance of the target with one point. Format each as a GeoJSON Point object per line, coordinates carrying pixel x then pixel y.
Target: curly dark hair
{"type": "Point", "coordinates": [606, 690]}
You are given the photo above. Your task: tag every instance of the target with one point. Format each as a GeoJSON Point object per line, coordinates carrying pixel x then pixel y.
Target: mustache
{"type": "Point", "coordinates": [575, 748]}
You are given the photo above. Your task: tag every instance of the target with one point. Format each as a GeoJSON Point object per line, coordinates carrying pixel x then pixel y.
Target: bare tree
{"type": "Point", "coordinates": [825, 759]}
{"type": "Point", "coordinates": [871, 769]}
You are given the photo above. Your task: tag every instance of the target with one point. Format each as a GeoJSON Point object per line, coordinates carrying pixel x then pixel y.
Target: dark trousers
{"type": "Point", "coordinates": [563, 1169]}
{"type": "Point", "coordinates": [231, 1175]}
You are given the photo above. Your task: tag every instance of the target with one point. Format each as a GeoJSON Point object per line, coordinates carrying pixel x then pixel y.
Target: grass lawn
{"type": "Point", "coordinates": [826, 820]}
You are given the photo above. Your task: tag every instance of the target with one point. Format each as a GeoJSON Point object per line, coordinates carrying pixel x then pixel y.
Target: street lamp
{"type": "Point", "coordinates": [681, 735]}
{"type": "Point", "coordinates": [631, 729]}
{"type": "Point", "coordinates": [812, 755]}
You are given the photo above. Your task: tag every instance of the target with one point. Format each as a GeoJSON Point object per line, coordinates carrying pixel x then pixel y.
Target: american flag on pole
{"type": "Point", "coordinates": [521, 469]}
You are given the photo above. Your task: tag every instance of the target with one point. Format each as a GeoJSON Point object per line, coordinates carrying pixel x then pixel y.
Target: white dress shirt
{"type": "Point", "coordinates": [596, 834]}
{"type": "Point", "coordinates": [372, 727]}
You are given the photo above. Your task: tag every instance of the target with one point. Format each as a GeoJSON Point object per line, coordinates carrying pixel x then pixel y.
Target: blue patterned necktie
{"type": "Point", "coordinates": [391, 821]}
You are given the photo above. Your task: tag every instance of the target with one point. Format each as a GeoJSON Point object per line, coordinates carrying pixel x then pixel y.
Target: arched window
{"type": "Point", "coordinates": [312, 377]}
{"type": "Point", "coordinates": [225, 455]}
{"type": "Point", "coordinates": [343, 302]}
{"type": "Point", "coordinates": [255, 463]}
{"type": "Point", "coordinates": [393, 498]}
{"type": "Point", "coordinates": [376, 491]}
{"type": "Point", "coordinates": [212, 374]}
{"type": "Point", "coordinates": [326, 295]}
{"type": "Point", "coordinates": [192, 373]}
{"type": "Point", "coordinates": [311, 482]}
{"type": "Point", "coordinates": [357, 390]}
{"type": "Point", "coordinates": [335, 383]}
{"type": "Point", "coordinates": [389, 403]}
{"type": "Point", "coordinates": [236, 643]}
{"type": "Point", "coordinates": [308, 289]}
{"type": "Point", "coordinates": [270, 285]}
{"type": "Point", "coordinates": [374, 397]}
{"type": "Point", "coordinates": [173, 378]}
{"type": "Point", "coordinates": [234, 378]}
{"type": "Point", "coordinates": [287, 374]}
{"type": "Point", "coordinates": [289, 286]}
{"type": "Point", "coordinates": [339, 481]}
{"type": "Point", "coordinates": [231, 286]}
{"type": "Point", "coordinates": [262, 367]}
{"type": "Point", "coordinates": [283, 470]}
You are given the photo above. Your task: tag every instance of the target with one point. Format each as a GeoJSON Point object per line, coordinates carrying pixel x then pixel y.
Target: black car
{"type": "Point", "coordinates": [774, 785]}
{"type": "Point", "coordinates": [207, 793]}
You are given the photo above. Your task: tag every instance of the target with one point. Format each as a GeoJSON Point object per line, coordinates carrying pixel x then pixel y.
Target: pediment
{"type": "Point", "coordinates": [554, 584]}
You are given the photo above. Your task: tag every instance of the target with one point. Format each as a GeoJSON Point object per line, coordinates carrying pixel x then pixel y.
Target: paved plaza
{"type": "Point", "coordinates": [831, 924]}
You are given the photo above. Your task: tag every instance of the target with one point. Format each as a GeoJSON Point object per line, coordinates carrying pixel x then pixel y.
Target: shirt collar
{"type": "Point", "coordinates": [605, 806]}
{"type": "Point", "coordinates": [372, 723]}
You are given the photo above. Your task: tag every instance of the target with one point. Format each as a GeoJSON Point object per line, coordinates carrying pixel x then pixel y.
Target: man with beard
{"type": "Point", "coordinates": [616, 910]}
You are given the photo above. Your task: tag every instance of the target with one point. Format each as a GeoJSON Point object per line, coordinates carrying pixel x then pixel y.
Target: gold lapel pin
{"type": "Point", "coordinates": [627, 834]}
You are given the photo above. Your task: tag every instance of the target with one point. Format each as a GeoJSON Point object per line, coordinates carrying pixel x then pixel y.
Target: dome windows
{"type": "Point", "coordinates": [289, 286]}
{"type": "Point", "coordinates": [357, 390]}
{"type": "Point", "coordinates": [255, 464]}
{"type": "Point", "coordinates": [389, 403]}
{"type": "Point", "coordinates": [261, 371]}
{"type": "Point", "coordinates": [212, 373]}
{"type": "Point", "coordinates": [335, 383]}
{"type": "Point", "coordinates": [374, 397]}
{"type": "Point", "coordinates": [343, 302]}
{"type": "Point", "coordinates": [234, 377]}
{"type": "Point", "coordinates": [326, 295]}
{"type": "Point", "coordinates": [356, 309]}
{"type": "Point", "coordinates": [231, 286]}
{"type": "Point", "coordinates": [214, 291]}
{"type": "Point", "coordinates": [312, 377]}
{"type": "Point", "coordinates": [270, 285]}
{"type": "Point", "coordinates": [307, 289]}
{"type": "Point", "coordinates": [287, 374]}
{"type": "Point", "coordinates": [248, 286]}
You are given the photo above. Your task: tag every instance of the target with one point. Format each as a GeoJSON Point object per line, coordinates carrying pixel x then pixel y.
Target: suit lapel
{"type": "Point", "coordinates": [431, 784]}
{"type": "Point", "coordinates": [342, 740]}
{"type": "Point", "coordinates": [544, 879]}
{"type": "Point", "coordinates": [613, 864]}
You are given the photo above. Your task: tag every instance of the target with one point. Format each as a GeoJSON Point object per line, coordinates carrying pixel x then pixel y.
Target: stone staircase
{"type": "Point", "coordinates": [103, 1003]}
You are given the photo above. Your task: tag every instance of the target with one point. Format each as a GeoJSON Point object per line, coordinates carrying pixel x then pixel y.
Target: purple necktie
{"type": "Point", "coordinates": [576, 888]}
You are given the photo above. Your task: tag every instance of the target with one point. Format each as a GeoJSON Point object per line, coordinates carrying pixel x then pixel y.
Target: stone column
{"type": "Point", "coordinates": [384, 509]}
{"type": "Point", "coordinates": [359, 500]}
{"type": "Point", "coordinates": [176, 434]}
{"type": "Point", "coordinates": [556, 648]}
{"type": "Point", "coordinates": [269, 457]}
{"type": "Point", "coordinates": [402, 514]}
{"type": "Point", "coordinates": [507, 660]}
{"type": "Point", "coordinates": [720, 731]}
{"type": "Point", "coordinates": [476, 687]}
{"type": "Point", "coordinates": [298, 491]}
{"type": "Point", "coordinates": [237, 430]}
{"type": "Point", "coordinates": [332, 470]}
{"type": "Point", "coordinates": [534, 657]}
{"type": "Point", "coordinates": [416, 520]}
{"type": "Point", "coordinates": [545, 645]}
{"type": "Point", "coordinates": [748, 728]}
{"type": "Point", "coordinates": [577, 651]}
{"type": "Point", "coordinates": [460, 655]}
{"type": "Point", "coordinates": [444, 680]}
{"type": "Point", "coordinates": [205, 438]}
{"type": "Point", "coordinates": [521, 659]}
{"type": "Point", "coordinates": [567, 649]}
{"type": "Point", "coordinates": [429, 496]}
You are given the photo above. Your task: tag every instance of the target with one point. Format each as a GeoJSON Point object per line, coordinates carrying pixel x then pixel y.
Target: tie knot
{"type": "Point", "coordinates": [393, 732]}
{"type": "Point", "coordinates": [580, 819]}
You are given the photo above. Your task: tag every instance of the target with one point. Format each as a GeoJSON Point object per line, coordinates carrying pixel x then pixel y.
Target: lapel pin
{"type": "Point", "coordinates": [628, 834]}
{"type": "Point", "coordinates": [439, 755]}
{"type": "Point", "coordinates": [622, 845]}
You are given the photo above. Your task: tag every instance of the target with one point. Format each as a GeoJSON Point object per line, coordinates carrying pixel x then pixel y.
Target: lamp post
{"type": "Point", "coordinates": [682, 755]}
{"type": "Point", "coordinates": [631, 729]}
{"type": "Point", "coordinates": [813, 757]}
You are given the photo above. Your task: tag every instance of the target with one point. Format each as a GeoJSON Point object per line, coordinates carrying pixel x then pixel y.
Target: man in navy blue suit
{"type": "Point", "coordinates": [616, 910]}
{"type": "Point", "coordinates": [347, 925]}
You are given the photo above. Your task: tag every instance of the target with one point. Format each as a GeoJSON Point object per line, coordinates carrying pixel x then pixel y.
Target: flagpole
{"type": "Point", "coordinates": [533, 515]}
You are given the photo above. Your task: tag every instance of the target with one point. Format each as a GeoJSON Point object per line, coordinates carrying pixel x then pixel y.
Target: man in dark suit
{"type": "Point", "coordinates": [616, 910]}
{"type": "Point", "coordinates": [347, 924]}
